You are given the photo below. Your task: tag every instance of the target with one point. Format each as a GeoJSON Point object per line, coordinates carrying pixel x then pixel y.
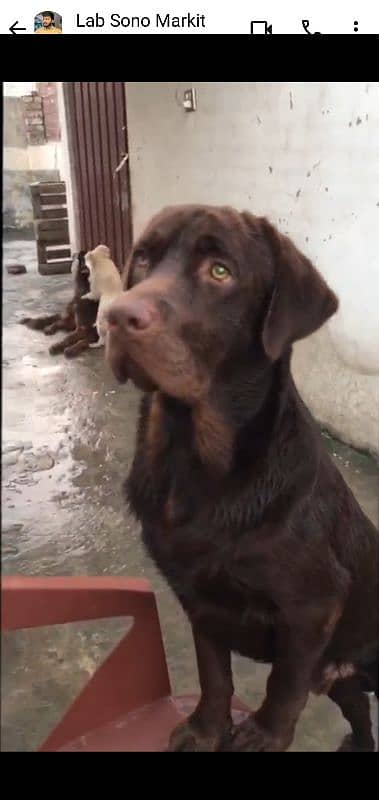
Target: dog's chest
{"type": "Point", "coordinates": [198, 560]}
{"type": "Point", "coordinates": [200, 569]}
{"type": "Point", "coordinates": [190, 560]}
{"type": "Point", "coordinates": [191, 527]}
{"type": "Point", "coordinates": [177, 517]}
{"type": "Point", "coordinates": [175, 511]}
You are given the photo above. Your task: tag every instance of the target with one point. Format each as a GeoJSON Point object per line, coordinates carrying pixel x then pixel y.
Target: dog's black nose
{"type": "Point", "coordinates": [131, 313]}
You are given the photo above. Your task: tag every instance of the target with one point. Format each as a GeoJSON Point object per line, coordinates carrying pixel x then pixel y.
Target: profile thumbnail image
{"type": "Point", "coordinates": [48, 22]}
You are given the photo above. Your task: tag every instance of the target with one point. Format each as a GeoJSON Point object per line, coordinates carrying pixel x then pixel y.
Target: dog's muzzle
{"type": "Point", "coordinates": [130, 322]}
{"type": "Point", "coordinates": [131, 315]}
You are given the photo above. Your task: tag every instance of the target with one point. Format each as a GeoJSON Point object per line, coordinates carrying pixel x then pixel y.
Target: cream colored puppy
{"type": "Point", "coordinates": [105, 285]}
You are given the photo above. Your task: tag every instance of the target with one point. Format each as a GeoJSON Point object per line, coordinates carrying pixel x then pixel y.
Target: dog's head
{"type": "Point", "coordinates": [80, 272]}
{"type": "Point", "coordinates": [78, 264]}
{"type": "Point", "coordinates": [206, 286]}
{"type": "Point", "coordinates": [97, 256]}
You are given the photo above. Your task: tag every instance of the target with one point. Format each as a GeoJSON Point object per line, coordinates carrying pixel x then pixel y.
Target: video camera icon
{"type": "Point", "coordinates": [260, 27]}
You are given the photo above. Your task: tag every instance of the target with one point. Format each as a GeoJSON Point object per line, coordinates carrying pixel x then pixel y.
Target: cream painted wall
{"type": "Point", "coordinates": [18, 88]}
{"type": "Point", "coordinates": [65, 167]}
{"type": "Point", "coordinates": [35, 157]}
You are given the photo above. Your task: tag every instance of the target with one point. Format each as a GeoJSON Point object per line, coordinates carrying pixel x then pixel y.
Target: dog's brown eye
{"type": "Point", "coordinates": [219, 272]}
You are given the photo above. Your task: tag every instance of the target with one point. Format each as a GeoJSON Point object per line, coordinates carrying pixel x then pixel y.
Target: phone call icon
{"type": "Point", "coordinates": [306, 23]}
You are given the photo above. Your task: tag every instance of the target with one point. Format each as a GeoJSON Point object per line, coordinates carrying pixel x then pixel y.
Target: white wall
{"type": "Point", "coordinates": [22, 165]}
{"type": "Point", "coordinates": [34, 157]}
{"type": "Point", "coordinates": [18, 88]}
{"type": "Point", "coordinates": [66, 167]}
{"type": "Point", "coordinates": [306, 155]}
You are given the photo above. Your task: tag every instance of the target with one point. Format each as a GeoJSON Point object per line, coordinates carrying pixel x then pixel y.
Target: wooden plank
{"type": "Point", "coordinates": [56, 252]}
{"type": "Point", "coordinates": [72, 137]}
{"type": "Point", "coordinates": [49, 202]}
{"type": "Point", "coordinates": [47, 187]}
{"type": "Point", "coordinates": [92, 164]}
{"type": "Point", "coordinates": [53, 237]}
{"type": "Point", "coordinates": [115, 157]}
{"type": "Point", "coordinates": [106, 164]}
{"type": "Point", "coordinates": [53, 213]}
{"type": "Point", "coordinates": [53, 199]}
{"type": "Point", "coordinates": [93, 105]}
{"type": "Point", "coordinates": [59, 267]}
{"type": "Point", "coordinates": [84, 166]}
{"type": "Point", "coordinates": [51, 225]}
{"type": "Point", "coordinates": [123, 173]}
{"type": "Point", "coordinates": [41, 252]}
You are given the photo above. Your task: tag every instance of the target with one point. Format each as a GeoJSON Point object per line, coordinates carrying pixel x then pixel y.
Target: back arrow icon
{"type": "Point", "coordinates": [13, 29]}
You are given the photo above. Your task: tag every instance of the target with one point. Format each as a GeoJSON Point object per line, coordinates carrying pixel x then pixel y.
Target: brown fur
{"type": "Point", "coordinates": [213, 437]}
{"type": "Point", "coordinates": [242, 509]}
{"type": "Point", "coordinates": [84, 316]}
{"type": "Point", "coordinates": [52, 323]}
{"type": "Point", "coordinates": [156, 436]}
{"type": "Point", "coordinates": [65, 320]}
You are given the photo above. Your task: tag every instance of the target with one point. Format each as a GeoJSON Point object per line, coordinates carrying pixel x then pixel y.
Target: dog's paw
{"type": "Point", "coordinates": [250, 737]}
{"type": "Point", "coordinates": [71, 352]}
{"type": "Point", "coordinates": [187, 738]}
{"type": "Point", "coordinates": [54, 350]}
{"type": "Point", "coordinates": [351, 745]}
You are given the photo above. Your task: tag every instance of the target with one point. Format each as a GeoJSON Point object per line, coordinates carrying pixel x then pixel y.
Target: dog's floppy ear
{"type": "Point", "coordinates": [301, 300]}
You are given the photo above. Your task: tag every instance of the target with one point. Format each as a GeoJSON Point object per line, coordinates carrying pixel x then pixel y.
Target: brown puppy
{"type": "Point", "coordinates": [51, 323]}
{"type": "Point", "coordinates": [64, 321]}
{"type": "Point", "coordinates": [84, 312]}
{"type": "Point", "coordinates": [241, 507]}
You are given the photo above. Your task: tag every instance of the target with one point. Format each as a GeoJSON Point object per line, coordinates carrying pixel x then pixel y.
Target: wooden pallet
{"type": "Point", "coordinates": [49, 201]}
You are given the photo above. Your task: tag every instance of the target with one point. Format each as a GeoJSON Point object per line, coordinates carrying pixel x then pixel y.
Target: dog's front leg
{"type": "Point", "coordinates": [211, 721]}
{"type": "Point", "coordinates": [298, 650]}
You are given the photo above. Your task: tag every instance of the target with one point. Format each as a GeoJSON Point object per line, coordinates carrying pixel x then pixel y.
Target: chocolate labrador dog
{"type": "Point", "coordinates": [241, 507]}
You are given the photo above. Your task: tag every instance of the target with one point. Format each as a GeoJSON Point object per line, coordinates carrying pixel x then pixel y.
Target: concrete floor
{"type": "Point", "coordinates": [68, 433]}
